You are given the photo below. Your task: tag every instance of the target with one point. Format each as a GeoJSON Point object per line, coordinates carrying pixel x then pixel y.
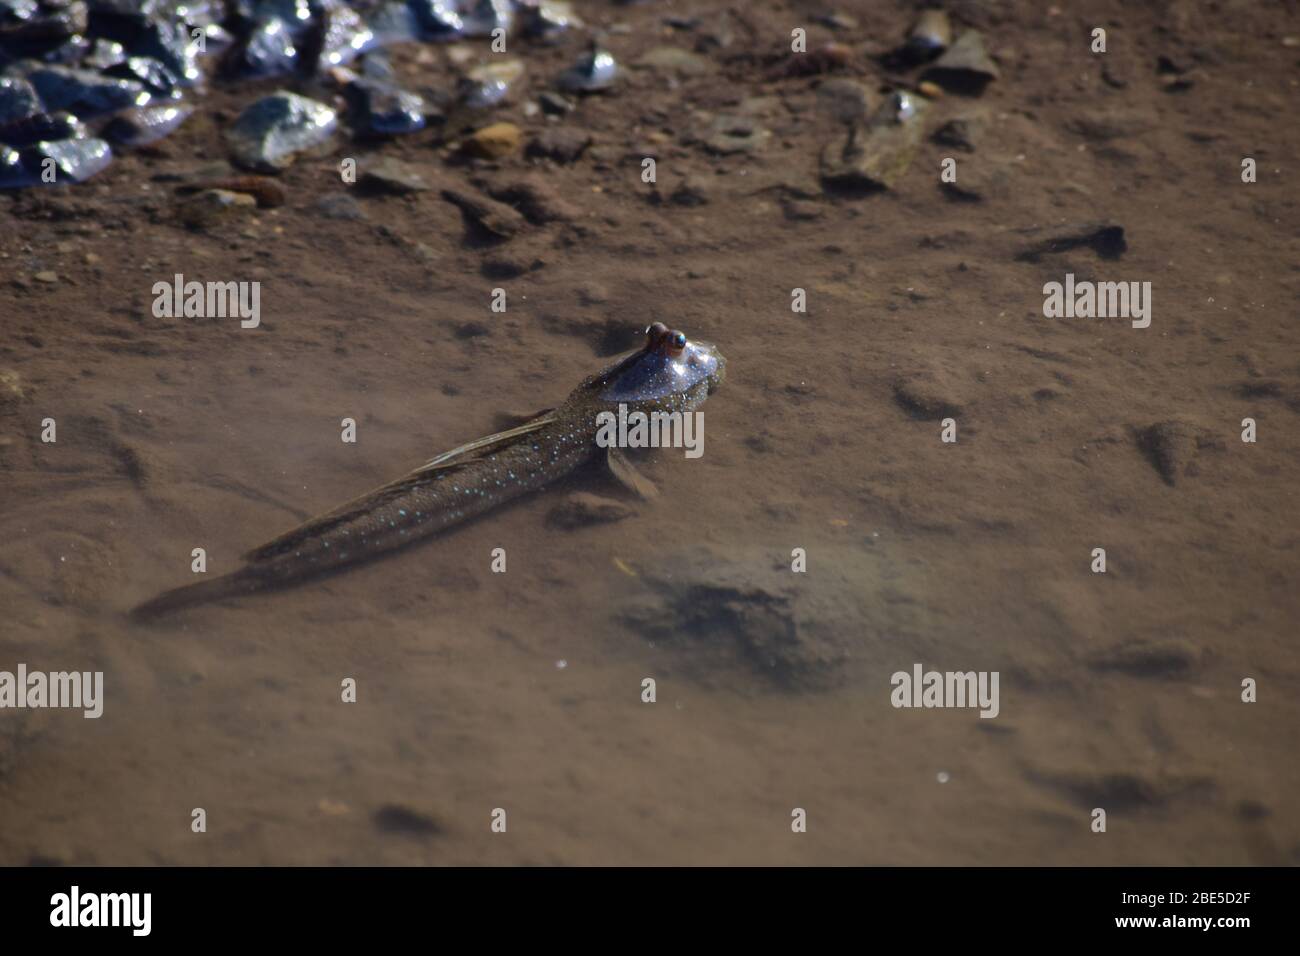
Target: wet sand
{"type": "Point", "coordinates": [1118, 690]}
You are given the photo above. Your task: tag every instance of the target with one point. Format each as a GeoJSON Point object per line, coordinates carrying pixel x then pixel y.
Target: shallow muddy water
{"type": "Point", "coordinates": [523, 690]}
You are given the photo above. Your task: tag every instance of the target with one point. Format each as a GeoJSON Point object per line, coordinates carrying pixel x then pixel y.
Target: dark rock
{"type": "Point", "coordinates": [43, 127]}
{"type": "Point", "coordinates": [268, 50]}
{"type": "Point", "coordinates": [390, 175]}
{"type": "Point", "coordinates": [339, 206]}
{"type": "Point", "coordinates": [168, 42]}
{"type": "Point", "coordinates": [595, 71]}
{"type": "Point", "coordinates": [436, 20]}
{"type": "Point", "coordinates": [85, 93]}
{"type": "Point", "coordinates": [929, 37]}
{"type": "Point", "coordinates": [344, 36]}
{"type": "Point", "coordinates": [212, 207]}
{"type": "Point", "coordinates": [381, 109]}
{"type": "Point", "coordinates": [966, 68]}
{"type": "Point", "coordinates": [563, 144]}
{"type": "Point", "coordinates": [18, 100]}
{"type": "Point", "coordinates": [691, 191]}
{"type": "Point", "coordinates": [147, 125]}
{"type": "Point", "coordinates": [959, 133]}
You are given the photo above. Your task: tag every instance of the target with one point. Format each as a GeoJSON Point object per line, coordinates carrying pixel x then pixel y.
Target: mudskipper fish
{"type": "Point", "coordinates": [670, 373]}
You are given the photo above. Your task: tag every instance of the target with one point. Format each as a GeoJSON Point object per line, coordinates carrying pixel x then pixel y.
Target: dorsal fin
{"type": "Point", "coordinates": [466, 452]}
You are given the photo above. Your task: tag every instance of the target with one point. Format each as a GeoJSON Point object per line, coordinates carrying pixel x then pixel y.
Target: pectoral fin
{"type": "Point", "coordinates": [627, 475]}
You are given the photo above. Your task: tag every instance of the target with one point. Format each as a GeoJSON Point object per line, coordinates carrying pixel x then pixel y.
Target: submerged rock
{"type": "Point", "coordinates": [212, 206]}
{"type": "Point", "coordinates": [339, 206]}
{"type": "Point", "coordinates": [490, 84]}
{"type": "Point", "coordinates": [877, 157]}
{"type": "Point", "coordinates": [73, 160]}
{"type": "Point", "coordinates": [391, 175]}
{"type": "Point", "coordinates": [85, 93]}
{"type": "Point", "coordinates": [966, 67]}
{"type": "Point", "coordinates": [595, 71]}
{"type": "Point", "coordinates": [103, 54]}
{"type": "Point", "coordinates": [146, 125]}
{"type": "Point", "coordinates": [929, 37]}
{"type": "Point", "coordinates": [268, 50]}
{"type": "Point", "coordinates": [547, 20]}
{"type": "Point", "coordinates": [482, 17]}
{"type": "Point", "coordinates": [564, 144]}
{"type": "Point", "coordinates": [378, 108]}
{"type": "Point", "coordinates": [18, 100]}
{"type": "Point", "coordinates": [38, 33]}
{"type": "Point", "coordinates": [168, 42]}
{"type": "Point", "coordinates": [426, 20]}
{"type": "Point", "coordinates": [271, 133]}
{"type": "Point", "coordinates": [960, 132]}
{"type": "Point", "coordinates": [42, 127]}
{"type": "Point", "coordinates": [13, 172]}
{"type": "Point", "coordinates": [344, 36]}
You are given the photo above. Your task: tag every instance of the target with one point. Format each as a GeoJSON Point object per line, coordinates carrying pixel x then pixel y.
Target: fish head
{"type": "Point", "coordinates": [669, 373]}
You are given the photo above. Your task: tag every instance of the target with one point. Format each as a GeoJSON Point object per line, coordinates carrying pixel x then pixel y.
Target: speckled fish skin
{"type": "Point", "coordinates": [658, 377]}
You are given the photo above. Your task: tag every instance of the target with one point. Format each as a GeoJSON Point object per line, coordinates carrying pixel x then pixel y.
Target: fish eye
{"type": "Point", "coordinates": [654, 333]}
{"type": "Point", "coordinates": [679, 340]}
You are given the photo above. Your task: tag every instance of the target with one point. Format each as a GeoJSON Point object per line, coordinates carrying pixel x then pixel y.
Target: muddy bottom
{"type": "Point", "coordinates": [526, 691]}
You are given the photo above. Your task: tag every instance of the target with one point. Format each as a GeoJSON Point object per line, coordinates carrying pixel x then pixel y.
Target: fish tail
{"type": "Point", "coordinates": [243, 581]}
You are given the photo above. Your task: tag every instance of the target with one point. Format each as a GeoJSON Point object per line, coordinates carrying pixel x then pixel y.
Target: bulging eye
{"type": "Point", "coordinates": [677, 341]}
{"type": "Point", "coordinates": [654, 333]}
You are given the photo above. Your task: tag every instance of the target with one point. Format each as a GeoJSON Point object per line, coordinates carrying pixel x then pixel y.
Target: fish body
{"type": "Point", "coordinates": [669, 374]}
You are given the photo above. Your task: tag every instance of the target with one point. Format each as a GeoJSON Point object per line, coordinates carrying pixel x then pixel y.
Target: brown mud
{"type": "Point", "coordinates": [1118, 690]}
